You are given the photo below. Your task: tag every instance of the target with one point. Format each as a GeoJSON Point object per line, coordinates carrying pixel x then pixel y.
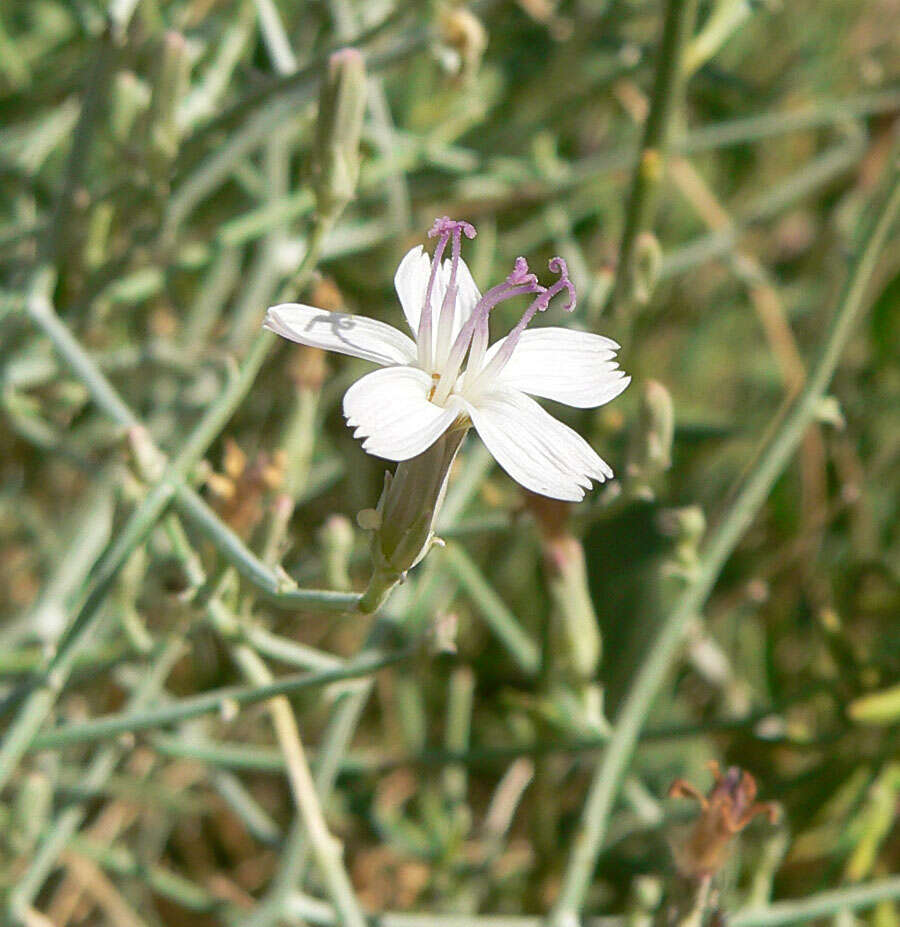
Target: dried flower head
{"type": "Point", "coordinates": [240, 490]}
{"type": "Point", "coordinates": [728, 807]}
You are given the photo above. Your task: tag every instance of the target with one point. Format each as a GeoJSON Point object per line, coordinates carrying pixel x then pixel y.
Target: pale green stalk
{"type": "Point", "coordinates": [40, 701]}
{"type": "Point", "coordinates": [496, 614]}
{"type": "Point", "coordinates": [668, 89]}
{"type": "Point", "coordinates": [216, 700]}
{"type": "Point", "coordinates": [650, 677]}
{"type": "Point", "coordinates": [67, 822]}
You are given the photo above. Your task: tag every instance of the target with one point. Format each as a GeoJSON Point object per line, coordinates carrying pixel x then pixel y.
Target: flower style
{"type": "Point", "coordinates": [423, 387]}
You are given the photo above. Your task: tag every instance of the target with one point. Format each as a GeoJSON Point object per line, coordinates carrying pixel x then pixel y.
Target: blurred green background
{"type": "Point", "coordinates": [156, 195]}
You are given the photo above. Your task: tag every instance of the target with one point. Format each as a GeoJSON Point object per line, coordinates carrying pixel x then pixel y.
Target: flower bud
{"type": "Point", "coordinates": [574, 631]}
{"type": "Point", "coordinates": [686, 526]}
{"type": "Point", "coordinates": [336, 536]}
{"type": "Point", "coordinates": [463, 40]}
{"type": "Point", "coordinates": [130, 98]}
{"type": "Point", "coordinates": [407, 513]}
{"type": "Point", "coordinates": [647, 265]}
{"type": "Point", "coordinates": [342, 103]}
{"type": "Point", "coordinates": [650, 453]}
{"type": "Point", "coordinates": [31, 811]}
{"type": "Point", "coordinates": [169, 89]}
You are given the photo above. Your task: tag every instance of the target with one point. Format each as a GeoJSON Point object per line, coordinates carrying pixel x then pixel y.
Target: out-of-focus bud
{"type": "Point", "coordinates": [686, 526]}
{"type": "Point", "coordinates": [169, 89]}
{"type": "Point", "coordinates": [463, 40]}
{"type": "Point", "coordinates": [647, 265]}
{"type": "Point", "coordinates": [574, 630]}
{"type": "Point", "coordinates": [829, 412]}
{"type": "Point", "coordinates": [148, 460]}
{"type": "Point", "coordinates": [650, 451]}
{"type": "Point", "coordinates": [881, 707]}
{"type": "Point", "coordinates": [407, 513]}
{"type": "Point", "coordinates": [31, 812]}
{"type": "Point", "coordinates": [336, 536]}
{"type": "Point", "coordinates": [130, 98]}
{"type": "Point", "coordinates": [646, 896]}
{"type": "Point", "coordinates": [728, 807]}
{"type": "Point", "coordinates": [342, 103]}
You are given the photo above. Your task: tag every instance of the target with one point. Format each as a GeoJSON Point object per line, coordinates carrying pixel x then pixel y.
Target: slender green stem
{"type": "Point", "coordinates": [851, 898]}
{"type": "Point", "coordinates": [224, 699]}
{"type": "Point", "coordinates": [668, 89]}
{"type": "Point", "coordinates": [825, 904]}
{"type": "Point", "coordinates": [42, 698]}
{"type": "Point", "coordinates": [325, 848]}
{"type": "Point", "coordinates": [120, 861]}
{"type": "Point", "coordinates": [69, 820]}
{"type": "Point", "coordinates": [275, 586]}
{"type": "Point", "coordinates": [98, 84]}
{"type": "Point", "coordinates": [652, 673]}
{"type": "Point", "coordinates": [493, 609]}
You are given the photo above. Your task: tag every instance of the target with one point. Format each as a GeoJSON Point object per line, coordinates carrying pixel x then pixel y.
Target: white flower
{"type": "Point", "coordinates": [423, 388]}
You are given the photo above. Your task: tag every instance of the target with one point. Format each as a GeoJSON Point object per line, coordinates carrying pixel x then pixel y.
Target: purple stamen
{"type": "Point", "coordinates": [443, 229]}
{"type": "Point", "coordinates": [558, 266]}
{"type": "Point", "coordinates": [521, 274]}
{"type": "Point", "coordinates": [473, 336]}
{"type": "Point", "coordinates": [423, 337]}
{"type": "Point", "coordinates": [447, 226]}
{"type": "Point", "coordinates": [448, 309]}
{"type": "Point", "coordinates": [540, 304]}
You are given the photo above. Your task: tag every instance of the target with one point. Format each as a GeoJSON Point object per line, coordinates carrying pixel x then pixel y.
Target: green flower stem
{"type": "Point", "coordinates": [216, 700]}
{"type": "Point", "coordinates": [69, 820]}
{"type": "Point", "coordinates": [326, 850]}
{"type": "Point", "coordinates": [238, 756]}
{"type": "Point", "coordinates": [123, 863]}
{"type": "Point", "coordinates": [102, 69]}
{"type": "Point", "coordinates": [493, 609]}
{"type": "Point", "coordinates": [825, 904]}
{"type": "Point", "coordinates": [42, 698]}
{"type": "Point", "coordinates": [667, 95]}
{"type": "Point", "coordinates": [639, 699]}
{"type": "Point", "coordinates": [276, 587]}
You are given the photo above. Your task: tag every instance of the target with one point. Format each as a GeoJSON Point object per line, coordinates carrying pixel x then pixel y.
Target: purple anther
{"type": "Point", "coordinates": [521, 275]}
{"type": "Point", "coordinates": [539, 304]}
{"type": "Point", "coordinates": [558, 266]}
{"type": "Point", "coordinates": [447, 226]}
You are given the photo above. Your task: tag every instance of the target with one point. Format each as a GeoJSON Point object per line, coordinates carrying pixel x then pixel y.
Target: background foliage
{"type": "Point", "coordinates": [160, 503]}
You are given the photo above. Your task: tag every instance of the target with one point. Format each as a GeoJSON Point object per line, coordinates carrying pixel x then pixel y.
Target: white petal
{"type": "Point", "coordinates": [535, 449]}
{"type": "Point", "coordinates": [577, 368]}
{"type": "Point", "coordinates": [355, 335]}
{"type": "Point", "coordinates": [390, 410]}
{"type": "Point", "coordinates": [411, 281]}
{"type": "Point", "coordinates": [467, 295]}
